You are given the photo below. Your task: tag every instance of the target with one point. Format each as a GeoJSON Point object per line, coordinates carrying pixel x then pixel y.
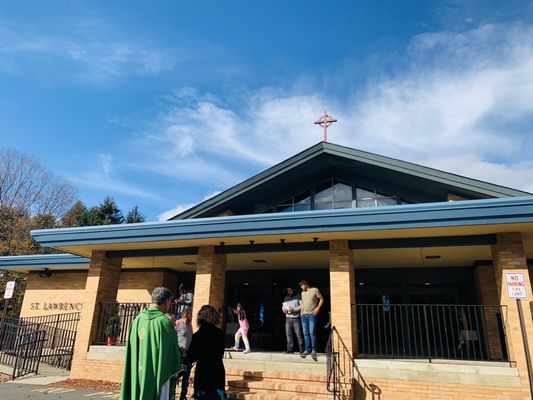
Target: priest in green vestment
{"type": "Point", "coordinates": [152, 353]}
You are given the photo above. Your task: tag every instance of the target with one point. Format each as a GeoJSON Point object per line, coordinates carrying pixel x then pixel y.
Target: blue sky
{"type": "Point", "coordinates": [163, 104]}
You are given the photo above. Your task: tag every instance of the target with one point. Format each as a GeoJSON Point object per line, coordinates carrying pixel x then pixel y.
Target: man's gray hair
{"type": "Point", "coordinates": [160, 295]}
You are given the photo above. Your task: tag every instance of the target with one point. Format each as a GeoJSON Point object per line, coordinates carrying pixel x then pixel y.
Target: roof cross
{"type": "Point", "coordinates": [325, 121]}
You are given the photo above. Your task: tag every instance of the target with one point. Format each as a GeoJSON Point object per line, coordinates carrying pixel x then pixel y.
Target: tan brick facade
{"type": "Point", "coordinates": [509, 256]}
{"type": "Point", "coordinates": [210, 280]}
{"type": "Point", "coordinates": [389, 389]}
{"type": "Point", "coordinates": [342, 286]}
{"type": "Point", "coordinates": [65, 291]}
{"type": "Point", "coordinates": [487, 294]}
{"type": "Point", "coordinates": [62, 292]}
{"type": "Point", "coordinates": [102, 285]}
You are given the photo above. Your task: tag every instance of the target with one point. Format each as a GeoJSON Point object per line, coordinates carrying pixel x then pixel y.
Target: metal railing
{"type": "Point", "coordinates": [332, 367]}
{"type": "Point", "coordinates": [21, 346]}
{"type": "Point", "coordinates": [117, 317]}
{"type": "Point", "coordinates": [457, 332]}
{"type": "Point", "coordinates": [58, 339]}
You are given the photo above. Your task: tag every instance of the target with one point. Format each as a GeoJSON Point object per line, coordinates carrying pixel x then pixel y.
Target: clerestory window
{"type": "Point", "coordinates": [335, 194]}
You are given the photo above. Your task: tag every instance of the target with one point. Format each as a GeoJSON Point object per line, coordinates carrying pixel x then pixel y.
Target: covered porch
{"type": "Point", "coordinates": [442, 267]}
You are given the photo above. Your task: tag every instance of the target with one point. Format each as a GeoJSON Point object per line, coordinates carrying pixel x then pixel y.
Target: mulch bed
{"type": "Point", "coordinates": [89, 384]}
{"type": "Point", "coordinates": [4, 378]}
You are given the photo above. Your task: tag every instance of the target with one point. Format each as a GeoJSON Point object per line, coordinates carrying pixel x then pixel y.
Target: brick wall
{"type": "Point", "coordinates": [64, 291]}
{"type": "Point", "coordinates": [210, 279]}
{"type": "Point", "coordinates": [487, 294]}
{"type": "Point", "coordinates": [60, 293]}
{"type": "Point", "coordinates": [102, 286]}
{"type": "Point", "coordinates": [385, 389]}
{"type": "Point", "coordinates": [509, 256]}
{"type": "Point", "coordinates": [342, 292]}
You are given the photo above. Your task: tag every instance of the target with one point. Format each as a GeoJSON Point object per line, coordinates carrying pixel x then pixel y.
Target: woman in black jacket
{"type": "Point", "coordinates": [207, 350]}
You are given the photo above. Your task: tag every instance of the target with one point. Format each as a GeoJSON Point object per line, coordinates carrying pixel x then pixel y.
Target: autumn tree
{"type": "Point", "coordinates": [26, 185]}
{"type": "Point", "coordinates": [31, 197]}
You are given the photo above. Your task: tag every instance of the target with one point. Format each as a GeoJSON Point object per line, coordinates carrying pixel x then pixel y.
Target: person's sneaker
{"type": "Point", "coordinates": [313, 355]}
{"type": "Point", "coordinates": [304, 354]}
{"type": "Point", "coordinates": [288, 352]}
{"type": "Point", "coordinates": [246, 351]}
{"type": "Point", "coordinates": [235, 348]}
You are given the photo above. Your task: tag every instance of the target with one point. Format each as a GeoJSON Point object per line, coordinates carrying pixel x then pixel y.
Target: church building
{"type": "Point", "coordinates": [425, 276]}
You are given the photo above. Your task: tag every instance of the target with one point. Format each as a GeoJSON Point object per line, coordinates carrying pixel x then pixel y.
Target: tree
{"type": "Point", "coordinates": [75, 216]}
{"type": "Point", "coordinates": [25, 184]}
{"type": "Point", "coordinates": [106, 213]}
{"type": "Point", "coordinates": [135, 216]}
{"type": "Point", "coordinates": [31, 197]}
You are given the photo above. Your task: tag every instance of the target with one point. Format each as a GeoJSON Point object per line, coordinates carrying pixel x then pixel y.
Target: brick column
{"type": "Point", "coordinates": [101, 286]}
{"type": "Point", "coordinates": [509, 256]}
{"type": "Point", "coordinates": [342, 289]}
{"type": "Point", "coordinates": [210, 281]}
{"type": "Point", "coordinates": [488, 295]}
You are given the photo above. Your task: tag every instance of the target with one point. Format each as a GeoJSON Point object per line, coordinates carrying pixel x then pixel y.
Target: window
{"type": "Point", "coordinates": [334, 194]}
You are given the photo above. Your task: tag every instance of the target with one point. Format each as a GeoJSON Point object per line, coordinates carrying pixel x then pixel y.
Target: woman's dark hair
{"type": "Point", "coordinates": [207, 315]}
{"type": "Point", "coordinates": [242, 313]}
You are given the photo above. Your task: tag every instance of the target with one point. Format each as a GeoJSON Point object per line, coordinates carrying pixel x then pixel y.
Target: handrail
{"type": "Point", "coordinates": [333, 372]}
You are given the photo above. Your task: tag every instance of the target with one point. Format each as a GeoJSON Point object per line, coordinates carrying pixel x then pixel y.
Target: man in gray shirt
{"type": "Point", "coordinates": [291, 307]}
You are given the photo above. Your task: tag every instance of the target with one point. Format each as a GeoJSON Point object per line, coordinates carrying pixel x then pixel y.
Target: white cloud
{"type": "Point", "coordinates": [166, 215]}
{"type": "Point", "coordinates": [454, 106]}
{"type": "Point", "coordinates": [103, 178]}
{"type": "Point", "coordinates": [90, 51]}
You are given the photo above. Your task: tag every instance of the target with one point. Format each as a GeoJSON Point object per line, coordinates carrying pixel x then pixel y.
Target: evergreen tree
{"type": "Point", "coordinates": [135, 216]}
{"type": "Point", "coordinates": [106, 213]}
{"type": "Point", "coordinates": [75, 216]}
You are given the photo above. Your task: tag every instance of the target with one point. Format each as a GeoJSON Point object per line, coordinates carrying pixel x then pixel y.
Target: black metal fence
{"type": "Point", "coordinates": [60, 334]}
{"type": "Point", "coordinates": [57, 336]}
{"type": "Point", "coordinates": [21, 346]}
{"type": "Point", "coordinates": [115, 319]}
{"type": "Point", "coordinates": [460, 332]}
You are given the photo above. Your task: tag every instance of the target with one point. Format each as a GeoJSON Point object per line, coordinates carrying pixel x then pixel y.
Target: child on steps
{"type": "Point", "coordinates": [243, 330]}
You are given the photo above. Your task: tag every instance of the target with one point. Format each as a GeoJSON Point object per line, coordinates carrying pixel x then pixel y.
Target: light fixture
{"type": "Point", "coordinates": [361, 284]}
{"type": "Point", "coordinates": [259, 261]}
{"type": "Point", "coordinates": [427, 283]}
{"type": "Point", "coordinates": [189, 263]}
{"type": "Point", "coordinates": [46, 273]}
{"type": "Point", "coordinates": [246, 284]}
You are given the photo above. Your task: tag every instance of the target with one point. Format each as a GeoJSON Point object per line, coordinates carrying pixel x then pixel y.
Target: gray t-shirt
{"type": "Point", "coordinates": [310, 299]}
{"type": "Point", "coordinates": [295, 303]}
{"type": "Point", "coordinates": [184, 336]}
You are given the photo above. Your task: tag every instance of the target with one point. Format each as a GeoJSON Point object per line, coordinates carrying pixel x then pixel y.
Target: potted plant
{"type": "Point", "coordinates": [112, 329]}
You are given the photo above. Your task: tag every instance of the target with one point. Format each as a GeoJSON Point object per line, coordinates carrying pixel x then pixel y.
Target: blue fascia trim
{"type": "Point", "coordinates": [430, 215]}
{"type": "Point", "coordinates": [43, 261]}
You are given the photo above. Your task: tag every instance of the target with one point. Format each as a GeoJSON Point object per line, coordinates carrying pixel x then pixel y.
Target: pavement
{"type": "Point", "coordinates": [37, 387]}
{"type": "Point", "coordinates": [18, 391]}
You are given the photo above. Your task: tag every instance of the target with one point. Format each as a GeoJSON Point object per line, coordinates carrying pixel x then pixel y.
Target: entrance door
{"type": "Point", "coordinates": [261, 294]}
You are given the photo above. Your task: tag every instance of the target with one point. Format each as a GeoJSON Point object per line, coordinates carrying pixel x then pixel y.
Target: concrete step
{"type": "Point", "coordinates": [293, 366]}
{"type": "Point", "coordinates": [279, 386]}
{"type": "Point", "coordinates": [233, 374]}
{"type": "Point", "coordinates": [273, 395]}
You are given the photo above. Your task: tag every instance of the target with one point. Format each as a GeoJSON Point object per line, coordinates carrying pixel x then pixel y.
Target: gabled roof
{"type": "Point", "coordinates": [481, 188]}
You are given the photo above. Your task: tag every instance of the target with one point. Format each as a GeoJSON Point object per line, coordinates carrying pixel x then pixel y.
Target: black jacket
{"type": "Point", "coordinates": [207, 350]}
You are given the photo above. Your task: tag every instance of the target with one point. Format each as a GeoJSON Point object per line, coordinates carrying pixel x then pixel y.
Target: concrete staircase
{"type": "Point", "coordinates": [269, 376]}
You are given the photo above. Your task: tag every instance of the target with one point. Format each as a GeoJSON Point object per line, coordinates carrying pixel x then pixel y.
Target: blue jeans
{"type": "Point", "coordinates": [309, 328]}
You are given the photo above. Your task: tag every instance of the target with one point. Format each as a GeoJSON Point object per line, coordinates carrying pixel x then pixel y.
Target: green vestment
{"type": "Point", "coordinates": [152, 356]}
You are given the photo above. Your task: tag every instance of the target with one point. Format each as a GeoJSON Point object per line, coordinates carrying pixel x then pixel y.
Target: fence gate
{"type": "Point", "coordinates": [26, 342]}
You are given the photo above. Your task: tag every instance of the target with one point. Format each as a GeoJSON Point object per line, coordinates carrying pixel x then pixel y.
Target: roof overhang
{"type": "Point", "coordinates": [476, 217]}
{"type": "Point", "coordinates": [39, 262]}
